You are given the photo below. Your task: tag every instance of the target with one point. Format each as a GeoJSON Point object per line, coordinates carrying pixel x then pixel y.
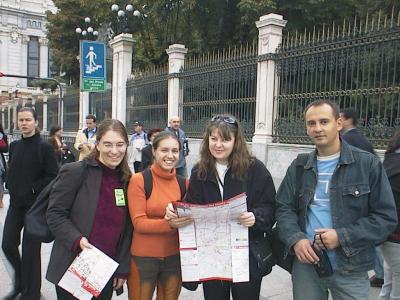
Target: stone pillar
{"type": "Point", "coordinates": [83, 108]}
{"type": "Point", "coordinates": [44, 57]}
{"type": "Point", "coordinates": [9, 118]}
{"type": "Point", "coordinates": [270, 36]}
{"type": "Point", "coordinates": [176, 61]}
{"type": "Point", "coordinates": [44, 112]}
{"type": "Point", "coordinates": [122, 46]}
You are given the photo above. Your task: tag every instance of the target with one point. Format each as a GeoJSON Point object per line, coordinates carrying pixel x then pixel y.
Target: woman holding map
{"type": "Point", "coordinates": [155, 245]}
{"type": "Point", "coordinates": [88, 209]}
{"type": "Point", "coordinates": [226, 169]}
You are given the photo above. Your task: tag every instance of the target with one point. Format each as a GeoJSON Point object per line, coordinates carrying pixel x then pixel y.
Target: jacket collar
{"type": "Point", "coordinates": [346, 156]}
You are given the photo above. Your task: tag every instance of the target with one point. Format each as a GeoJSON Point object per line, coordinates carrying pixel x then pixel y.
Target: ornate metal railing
{"type": "Point", "coordinates": [355, 64]}
{"type": "Point", "coordinates": [221, 82]}
{"type": "Point", "coordinates": [71, 112]}
{"type": "Point", "coordinates": [101, 104]}
{"type": "Point", "coordinates": [147, 98]}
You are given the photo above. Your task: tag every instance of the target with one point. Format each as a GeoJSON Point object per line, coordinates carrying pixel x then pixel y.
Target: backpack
{"type": "Point", "coordinates": [35, 218]}
{"type": "Point", "coordinates": [148, 183]}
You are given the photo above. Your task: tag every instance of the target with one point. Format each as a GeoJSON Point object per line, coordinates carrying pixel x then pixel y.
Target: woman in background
{"type": "Point", "coordinates": [3, 165]}
{"type": "Point", "coordinates": [55, 141]}
{"type": "Point", "coordinates": [391, 248]}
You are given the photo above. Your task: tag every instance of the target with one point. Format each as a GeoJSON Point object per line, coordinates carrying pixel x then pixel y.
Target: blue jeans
{"type": "Point", "coordinates": [308, 286]}
{"type": "Point", "coordinates": [378, 263]}
{"type": "Point", "coordinates": [391, 287]}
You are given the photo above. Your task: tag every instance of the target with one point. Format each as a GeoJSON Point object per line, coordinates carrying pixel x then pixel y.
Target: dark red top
{"type": "Point", "coordinates": [108, 221]}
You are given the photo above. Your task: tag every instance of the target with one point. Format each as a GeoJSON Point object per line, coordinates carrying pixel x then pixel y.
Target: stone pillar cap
{"type": "Point", "coordinates": [271, 19]}
{"type": "Point", "coordinates": [177, 48]}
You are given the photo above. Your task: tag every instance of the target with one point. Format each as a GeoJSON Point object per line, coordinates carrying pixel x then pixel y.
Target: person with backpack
{"type": "Point", "coordinates": [227, 169]}
{"type": "Point", "coordinates": [88, 207]}
{"type": "Point", "coordinates": [391, 247]}
{"type": "Point", "coordinates": [155, 245]}
{"type": "Point", "coordinates": [32, 165]}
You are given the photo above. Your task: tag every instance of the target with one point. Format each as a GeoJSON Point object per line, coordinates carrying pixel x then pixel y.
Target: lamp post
{"type": "Point", "coordinates": [87, 33]}
{"type": "Point", "coordinates": [119, 24]}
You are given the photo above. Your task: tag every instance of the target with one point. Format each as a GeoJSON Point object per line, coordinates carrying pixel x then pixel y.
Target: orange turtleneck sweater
{"type": "Point", "coordinates": [153, 237]}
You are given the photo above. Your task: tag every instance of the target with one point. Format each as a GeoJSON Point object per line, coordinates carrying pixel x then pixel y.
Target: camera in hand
{"type": "Point", "coordinates": [323, 267]}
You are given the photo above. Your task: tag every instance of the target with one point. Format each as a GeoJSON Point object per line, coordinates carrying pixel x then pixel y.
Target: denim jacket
{"type": "Point", "coordinates": [362, 206]}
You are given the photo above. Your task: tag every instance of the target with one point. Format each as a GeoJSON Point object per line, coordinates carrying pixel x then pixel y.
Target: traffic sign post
{"type": "Point", "coordinates": [93, 66]}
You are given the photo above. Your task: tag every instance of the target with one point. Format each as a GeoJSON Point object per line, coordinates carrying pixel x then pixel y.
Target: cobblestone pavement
{"type": "Point", "coordinates": [275, 286]}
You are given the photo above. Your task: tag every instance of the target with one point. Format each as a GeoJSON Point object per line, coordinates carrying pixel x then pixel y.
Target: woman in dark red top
{"type": "Point", "coordinates": [3, 165]}
{"type": "Point", "coordinates": [88, 206]}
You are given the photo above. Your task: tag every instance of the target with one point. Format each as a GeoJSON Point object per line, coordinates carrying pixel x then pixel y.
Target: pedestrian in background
{"type": "Point", "coordinates": [87, 206]}
{"type": "Point", "coordinates": [55, 141]}
{"type": "Point", "coordinates": [137, 142]}
{"type": "Point", "coordinates": [226, 169]}
{"type": "Point", "coordinates": [391, 248]}
{"type": "Point", "coordinates": [147, 152]}
{"type": "Point", "coordinates": [155, 245]}
{"type": "Point", "coordinates": [32, 165]}
{"type": "Point", "coordinates": [86, 138]}
{"type": "Point", "coordinates": [3, 164]}
{"type": "Point", "coordinates": [175, 124]}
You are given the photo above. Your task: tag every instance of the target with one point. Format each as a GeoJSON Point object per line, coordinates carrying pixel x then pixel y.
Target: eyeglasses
{"type": "Point", "coordinates": [226, 119]}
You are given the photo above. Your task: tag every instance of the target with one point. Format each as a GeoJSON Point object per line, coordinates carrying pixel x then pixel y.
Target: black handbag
{"type": "Point", "coordinates": [262, 258]}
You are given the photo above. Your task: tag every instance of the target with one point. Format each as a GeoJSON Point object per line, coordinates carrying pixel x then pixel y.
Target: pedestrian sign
{"type": "Point", "coordinates": [93, 66]}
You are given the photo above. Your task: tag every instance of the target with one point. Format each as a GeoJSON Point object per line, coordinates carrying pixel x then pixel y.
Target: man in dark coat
{"type": "Point", "coordinates": [350, 133]}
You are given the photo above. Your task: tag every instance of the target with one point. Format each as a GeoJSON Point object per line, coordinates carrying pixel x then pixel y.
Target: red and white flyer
{"type": "Point", "coordinates": [215, 245]}
{"type": "Point", "coordinates": [88, 274]}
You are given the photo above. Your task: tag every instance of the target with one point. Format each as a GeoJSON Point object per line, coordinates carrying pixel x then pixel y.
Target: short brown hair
{"type": "Point", "coordinates": [335, 108]}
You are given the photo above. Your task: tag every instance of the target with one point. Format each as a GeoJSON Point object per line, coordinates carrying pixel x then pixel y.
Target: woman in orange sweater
{"type": "Point", "coordinates": [155, 245]}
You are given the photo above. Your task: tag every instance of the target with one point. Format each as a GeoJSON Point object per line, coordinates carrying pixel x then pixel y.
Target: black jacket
{"type": "Point", "coordinates": [147, 157]}
{"type": "Point", "coordinates": [392, 167]}
{"type": "Point", "coordinates": [357, 139]}
{"type": "Point", "coordinates": [260, 191]}
{"type": "Point", "coordinates": [31, 166]}
{"type": "Point", "coordinates": [4, 149]}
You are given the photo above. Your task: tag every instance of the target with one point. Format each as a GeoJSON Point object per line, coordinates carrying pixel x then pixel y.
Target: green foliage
{"type": "Point", "coordinates": [201, 25]}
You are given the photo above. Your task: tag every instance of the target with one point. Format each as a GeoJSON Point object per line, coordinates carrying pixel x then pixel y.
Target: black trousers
{"type": "Point", "coordinates": [106, 293]}
{"type": "Point", "coordinates": [27, 267]}
{"type": "Point", "coordinates": [220, 290]}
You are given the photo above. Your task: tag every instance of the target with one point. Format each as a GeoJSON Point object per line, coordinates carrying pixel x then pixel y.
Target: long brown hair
{"type": "Point", "coordinates": [117, 126]}
{"type": "Point", "coordinates": [240, 158]}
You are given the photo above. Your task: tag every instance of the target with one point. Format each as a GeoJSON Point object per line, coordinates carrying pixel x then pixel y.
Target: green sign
{"type": "Point", "coordinates": [93, 85]}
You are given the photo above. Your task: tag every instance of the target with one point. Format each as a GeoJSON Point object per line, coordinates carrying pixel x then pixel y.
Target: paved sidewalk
{"type": "Point", "coordinates": [275, 286]}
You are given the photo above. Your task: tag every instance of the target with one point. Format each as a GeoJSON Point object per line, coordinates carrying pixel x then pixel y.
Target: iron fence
{"type": "Point", "coordinates": [355, 64]}
{"type": "Point", "coordinates": [147, 98]}
{"type": "Point", "coordinates": [100, 105]}
{"type": "Point", "coordinates": [71, 111]}
{"type": "Point", "coordinates": [221, 82]}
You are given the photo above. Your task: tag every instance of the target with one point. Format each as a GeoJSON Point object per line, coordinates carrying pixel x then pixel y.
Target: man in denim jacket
{"type": "Point", "coordinates": [345, 201]}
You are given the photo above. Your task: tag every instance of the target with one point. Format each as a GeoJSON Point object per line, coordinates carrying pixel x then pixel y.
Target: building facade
{"type": "Point", "coordinates": [23, 51]}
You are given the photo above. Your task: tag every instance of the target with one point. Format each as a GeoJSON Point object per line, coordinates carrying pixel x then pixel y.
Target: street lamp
{"type": "Point", "coordinates": [88, 32]}
{"type": "Point", "coordinates": [120, 23]}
